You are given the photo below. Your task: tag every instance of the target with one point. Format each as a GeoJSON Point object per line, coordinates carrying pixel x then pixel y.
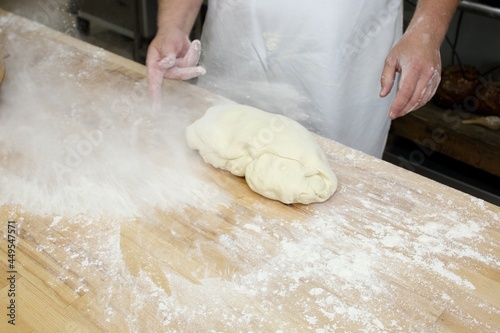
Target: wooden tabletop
{"type": "Point", "coordinates": [116, 226]}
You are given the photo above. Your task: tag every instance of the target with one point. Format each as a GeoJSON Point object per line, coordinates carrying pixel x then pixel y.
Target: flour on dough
{"type": "Point", "coordinates": [279, 158]}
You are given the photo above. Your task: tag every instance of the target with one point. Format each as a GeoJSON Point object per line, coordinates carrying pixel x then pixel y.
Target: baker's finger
{"type": "Point", "coordinates": [155, 82]}
{"type": "Point", "coordinates": [404, 99]}
{"type": "Point", "coordinates": [155, 78]}
{"type": "Point", "coordinates": [388, 77]}
{"type": "Point", "coordinates": [423, 90]}
{"type": "Point", "coordinates": [168, 61]}
{"type": "Point", "coordinates": [431, 87]}
{"type": "Point", "coordinates": [184, 73]}
{"type": "Point", "coordinates": [193, 55]}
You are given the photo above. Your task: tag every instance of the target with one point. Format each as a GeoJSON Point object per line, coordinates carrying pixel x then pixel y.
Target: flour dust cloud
{"type": "Point", "coordinates": [76, 137]}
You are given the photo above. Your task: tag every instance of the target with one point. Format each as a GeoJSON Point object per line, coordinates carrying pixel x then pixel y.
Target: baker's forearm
{"type": "Point", "coordinates": [432, 18]}
{"type": "Point", "coordinates": [178, 13]}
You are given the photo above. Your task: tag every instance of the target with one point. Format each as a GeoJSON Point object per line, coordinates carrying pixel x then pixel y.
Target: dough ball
{"type": "Point", "coordinates": [279, 158]}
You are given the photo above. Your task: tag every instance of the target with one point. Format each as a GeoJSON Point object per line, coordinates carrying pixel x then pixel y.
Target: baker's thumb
{"type": "Point", "coordinates": [387, 79]}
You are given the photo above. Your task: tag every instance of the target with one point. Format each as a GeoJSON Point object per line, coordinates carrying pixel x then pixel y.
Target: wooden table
{"type": "Point", "coordinates": [119, 227]}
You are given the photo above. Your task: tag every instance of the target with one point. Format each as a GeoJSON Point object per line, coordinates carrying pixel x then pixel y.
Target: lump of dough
{"type": "Point", "coordinates": [279, 158]}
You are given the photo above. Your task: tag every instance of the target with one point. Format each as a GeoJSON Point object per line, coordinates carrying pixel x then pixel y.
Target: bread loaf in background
{"type": "Point", "coordinates": [462, 84]}
{"type": "Point", "coordinates": [488, 95]}
{"type": "Point", "coordinates": [457, 83]}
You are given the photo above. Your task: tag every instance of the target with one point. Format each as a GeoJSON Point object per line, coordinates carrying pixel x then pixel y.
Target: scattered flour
{"type": "Point", "coordinates": [72, 146]}
{"type": "Point", "coordinates": [336, 269]}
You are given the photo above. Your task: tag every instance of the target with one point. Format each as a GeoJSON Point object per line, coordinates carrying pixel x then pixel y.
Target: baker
{"type": "Point", "coordinates": [341, 68]}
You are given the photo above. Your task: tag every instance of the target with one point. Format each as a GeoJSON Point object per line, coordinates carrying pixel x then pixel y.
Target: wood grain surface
{"type": "Point", "coordinates": [119, 227]}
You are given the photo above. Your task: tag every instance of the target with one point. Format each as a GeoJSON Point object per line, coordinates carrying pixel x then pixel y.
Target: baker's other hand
{"type": "Point", "coordinates": [418, 60]}
{"type": "Point", "coordinates": [172, 56]}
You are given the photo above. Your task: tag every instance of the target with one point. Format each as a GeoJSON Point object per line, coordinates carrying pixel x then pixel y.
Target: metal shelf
{"type": "Point", "coordinates": [480, 9]}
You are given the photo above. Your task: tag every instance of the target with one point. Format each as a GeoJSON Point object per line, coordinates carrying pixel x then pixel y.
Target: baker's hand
{"type": "Point", "coordinates": [171, 55]}
{"type": "Point", "coordinates": [419, 62]}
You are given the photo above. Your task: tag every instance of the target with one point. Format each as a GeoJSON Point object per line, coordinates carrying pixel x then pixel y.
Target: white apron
{"type": "Point", "coordinates": [319, 63]}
